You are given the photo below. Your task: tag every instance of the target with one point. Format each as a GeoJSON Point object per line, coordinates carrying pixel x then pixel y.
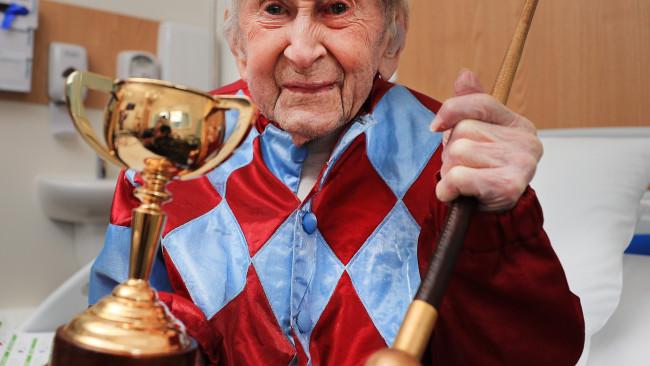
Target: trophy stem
{"type": "Point", "coordinates": [131, 326]}
{"type": "Point", "coordinates": [149, 219]}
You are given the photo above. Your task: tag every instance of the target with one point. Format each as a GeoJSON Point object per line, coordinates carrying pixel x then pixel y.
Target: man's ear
{"type": "Point", "coordinates": [394, 47]}
{"type": "Point", "coordinates": [236, 48]}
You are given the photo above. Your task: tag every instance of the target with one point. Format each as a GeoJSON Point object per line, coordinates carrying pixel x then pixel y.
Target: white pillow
{"type": "Point", "coordinates": [590, 189]}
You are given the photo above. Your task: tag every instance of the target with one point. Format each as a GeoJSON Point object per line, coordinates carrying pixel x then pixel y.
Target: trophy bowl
{"type": "Point", "coordinates": [148, 118]}
{"type": "Point", "coordinates": [165, 132]}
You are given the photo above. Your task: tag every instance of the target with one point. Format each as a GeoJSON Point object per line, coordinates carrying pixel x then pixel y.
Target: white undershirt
{"type": "Point", "coordinates": [318, 151]}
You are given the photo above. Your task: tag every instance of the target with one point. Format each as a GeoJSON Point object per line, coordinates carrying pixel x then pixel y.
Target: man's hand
{"type": "Point", "coordinates": [490, 152]}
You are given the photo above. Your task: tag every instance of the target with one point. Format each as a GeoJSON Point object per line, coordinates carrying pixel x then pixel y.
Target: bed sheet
{"type": "Point", "coordinates": [625, 340]}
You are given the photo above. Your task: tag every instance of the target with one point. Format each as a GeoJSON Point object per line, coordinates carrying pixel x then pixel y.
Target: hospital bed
{"type": "Point", "coordinates": [590, 183]}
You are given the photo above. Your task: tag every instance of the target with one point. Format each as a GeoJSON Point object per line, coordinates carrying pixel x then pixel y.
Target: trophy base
{"type": "Point", "coordinates": [67, 353]}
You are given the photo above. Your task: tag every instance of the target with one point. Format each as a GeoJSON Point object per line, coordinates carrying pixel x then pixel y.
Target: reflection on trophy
{"type": "Point", "coordinates": [165, 132]}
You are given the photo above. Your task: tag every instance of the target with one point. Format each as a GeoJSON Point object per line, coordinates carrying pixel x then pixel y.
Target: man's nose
{"type": "Point", "coordinates": [305, 46]}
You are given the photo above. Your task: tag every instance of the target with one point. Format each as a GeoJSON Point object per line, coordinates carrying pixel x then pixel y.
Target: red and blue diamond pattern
{"type": "Point", "coordinates": [355, 274]}
{"type": "Point", "coordinates": [278, 282]}
{"type": "Point", "coordinates": [261, 275]}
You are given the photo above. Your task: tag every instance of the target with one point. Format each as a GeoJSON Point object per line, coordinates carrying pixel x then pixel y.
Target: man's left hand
{"type": "Point", "coordinates": [490, 152]}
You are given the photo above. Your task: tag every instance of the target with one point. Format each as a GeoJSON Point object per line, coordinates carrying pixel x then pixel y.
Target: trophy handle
{"type": "Point", "coordinates": [73, 92]}
{"type": "Point", "coordinates": [247, 112]}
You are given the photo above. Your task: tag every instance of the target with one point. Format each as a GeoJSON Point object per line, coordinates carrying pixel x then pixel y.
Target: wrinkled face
{"type": "Point", "coordinates": [310, 64]}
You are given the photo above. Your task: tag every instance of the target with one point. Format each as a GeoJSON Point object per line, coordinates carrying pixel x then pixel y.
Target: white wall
{"type": "Point", "coordinates": [36, 254]}
{"type": "Point", "coordinates": [228, 68]}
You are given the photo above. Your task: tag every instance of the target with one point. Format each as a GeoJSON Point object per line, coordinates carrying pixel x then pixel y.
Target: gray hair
{"type": "Point", "coordinates": [392, 10]}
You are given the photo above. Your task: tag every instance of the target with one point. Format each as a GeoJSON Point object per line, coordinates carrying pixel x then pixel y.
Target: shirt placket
{"type": "Point", "coordinates": [304, 265]}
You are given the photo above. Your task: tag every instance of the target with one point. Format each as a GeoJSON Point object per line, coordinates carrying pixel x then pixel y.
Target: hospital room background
{"type": "Point", "coordinates": [584, 80]}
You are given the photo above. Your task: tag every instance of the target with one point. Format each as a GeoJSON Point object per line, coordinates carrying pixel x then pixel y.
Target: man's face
{"type": "Point", "coordinates": [310, 64]}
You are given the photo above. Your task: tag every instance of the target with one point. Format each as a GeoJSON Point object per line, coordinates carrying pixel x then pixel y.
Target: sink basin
{"type": "Point", "coordinates": [76, 200]}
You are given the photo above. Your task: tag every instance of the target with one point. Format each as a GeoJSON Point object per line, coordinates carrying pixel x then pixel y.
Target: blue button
{"type": "Point", "coordinates": [299, 154]}
{"type": "Point", "coordinates": [309, 223]}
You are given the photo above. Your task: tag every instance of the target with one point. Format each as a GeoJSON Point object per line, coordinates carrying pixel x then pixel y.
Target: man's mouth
{"type": "Point", "coordinates": [309, 88]}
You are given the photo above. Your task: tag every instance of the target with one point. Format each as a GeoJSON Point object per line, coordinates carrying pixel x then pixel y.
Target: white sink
{"type": "Point", "coordinates": [76, 200]}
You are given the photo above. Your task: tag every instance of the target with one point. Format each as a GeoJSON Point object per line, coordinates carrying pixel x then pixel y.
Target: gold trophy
{"type": "Point", "coordinates": [165, 132]}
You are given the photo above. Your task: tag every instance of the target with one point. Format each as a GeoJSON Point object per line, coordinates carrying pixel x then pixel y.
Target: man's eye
{"type": "Point", "coordinates": [274, 9]}
{"type": "Point", "coordinates": [338, 8]}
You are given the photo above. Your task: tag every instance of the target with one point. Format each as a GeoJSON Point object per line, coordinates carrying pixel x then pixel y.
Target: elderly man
{"type": "Point", "coordinates": [308, 244]}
